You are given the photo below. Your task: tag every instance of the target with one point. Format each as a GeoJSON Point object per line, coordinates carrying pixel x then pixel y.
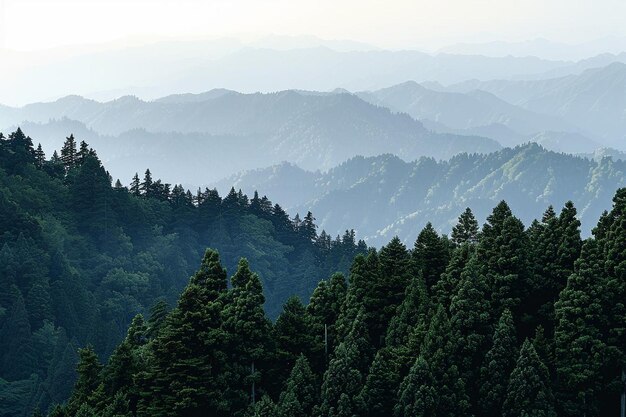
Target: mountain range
{"type": "Point", "coordinates": [593, 101]}
{"type": "Point", "coordinates": [385, 196]}
{"type": "Point", "coordinates": [112, 71]}
{"type": "Point", "coordinates": [202, 138]}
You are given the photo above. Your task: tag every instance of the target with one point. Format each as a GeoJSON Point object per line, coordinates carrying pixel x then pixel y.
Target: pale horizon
{"type": "Point", "coordinates": [27, 25]}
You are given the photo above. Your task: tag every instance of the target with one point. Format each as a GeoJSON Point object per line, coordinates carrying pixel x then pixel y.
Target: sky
{"type": "Point", "coordinates": [427, 24]}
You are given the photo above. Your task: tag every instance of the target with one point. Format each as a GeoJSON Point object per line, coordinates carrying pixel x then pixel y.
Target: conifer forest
{"type": "Point", "coordinates": [329, 208]}
{"type": "Point", "coordinates": [150, 300]}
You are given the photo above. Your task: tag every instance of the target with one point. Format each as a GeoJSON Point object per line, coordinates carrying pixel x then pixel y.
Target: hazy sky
{"type": "Point", "coordinates": [29, 24]}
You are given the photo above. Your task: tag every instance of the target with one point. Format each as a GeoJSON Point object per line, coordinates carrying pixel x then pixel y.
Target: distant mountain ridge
{"type": "Point", "coordinates": [271, 65]}
{"type": "Point", "coordinates": [464, 111]}
{"type": "Point", "coordinates": [594, 101]}
{"type": "Point", "coordinates": [222, 132]}
{"type": "Point", "coordinates": [385, 196]}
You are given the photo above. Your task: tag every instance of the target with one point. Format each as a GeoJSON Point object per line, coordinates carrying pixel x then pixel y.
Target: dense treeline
{"type": "Point", "coordinates": [80, 257]}
{"type": "Point", "coordinates": [502, 321]}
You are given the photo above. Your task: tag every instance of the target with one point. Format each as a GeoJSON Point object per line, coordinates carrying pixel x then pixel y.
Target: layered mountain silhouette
{"type": "Point", "coordinates": [593, 101]}
{"type": "Point", "coordinates": [222, 132]}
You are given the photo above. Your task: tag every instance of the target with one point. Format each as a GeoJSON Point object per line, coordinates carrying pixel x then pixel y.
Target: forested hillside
{"type": "Point", "coordinates": [403, 196]}
{"type": "Point", "coordinates": [503, 321]}
{"type": "Point", "coordinates": [80, 256]}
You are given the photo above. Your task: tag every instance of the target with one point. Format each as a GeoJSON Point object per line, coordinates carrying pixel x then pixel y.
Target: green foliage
{"type": "Point", "coordinates": [300, 393]}
{"type": "Point", "coordinates": [466, 230]}
{"type": "Point", "coordinates": [345, 374]}
{"type": "Point", "coordinates": [378, 396]}
{"type": "Point", "coordinates": [411, 333]}
{"type": "Point", "coordinates": [529, 392]}
{"type": "Point", "coordinates": [418, 394]}
{"type": "Point", "coordinates": [430, 255]}
{"type": "Point", "coordinates": [87, 257]}
{"type": "Point", "coordinates": [497, 366]}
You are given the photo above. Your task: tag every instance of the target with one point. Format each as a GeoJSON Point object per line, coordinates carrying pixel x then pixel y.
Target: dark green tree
{"type": "Point", "coordinates": [466, 229]}
{"type": "Point", "coordinates": [529, 392]}
{"type": "Point", "coordinates": [471, 322]}
{"type": "Point", "coordinates": [157, 319]}
{"type": "Point", "coordinates": [135, 186]}
{"type": "Point", "coordinates": [323, 310]}
{"type": "Point", "coordinates": [503, 253]}
{"type": "Point", "coordinates": [447, 285]}
{"type": "Point", "coordinates": [89, 377]}
{"type": "Point", "coordinates": [40, 156]}
{"type": "Point", "coordinates": [185, 375]}
{"type": "Point", "coordinates": [345, 374]}
{"type": "Point", "coordinates": [68, 152]}
{"type": "Point", "coordinates": [293, 335]}
{"type": "Point", "coordinates": [430, 255]}
{"type": "Point", "coordinates": [418, 394]}
{"type": "Point", "coordinates": [248, 333]}
{"type": "Point", "coordinates": [579, 345]}
{"type": "Point", "coordinates": [17, 355]}
{"type": "Point", "coordinates": [411, 314]}
{"type": "Point", "coordinates": [300, 394]}
{"type": "Point", "coordinates": [497, 366]}
{"type": "Point", "coordinates": [378, 396]}
{"type": "Point", "coordinates": [437, 350]}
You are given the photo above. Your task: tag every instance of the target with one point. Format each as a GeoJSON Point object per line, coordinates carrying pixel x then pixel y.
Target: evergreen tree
{"type": "Point", "coordinates": [146, 188]}
{"type": "Point", "coordinates": [300, 394]}
{"type": "Point", "coordinates": [556, 245]}
{"type": "Point", "coordinates": [471, 324]}
{"type": "Point", "coordinates": [497, 366]}
{"type": "Point", "coordinates": [323, 310]}
{"type": "Point", "coordinates": [580, 350]}
{"type": "Point", "coordinates": [613, 293]}
{"type": "Point", "coordinates": [248, 332]}
{"type": "Point", "coordinates": [89, 378]}
{"type": "Point", "coordinates": [265, 408]}
{"type": "Point", "coordinates": [135, 186]}
{"type": "Point", "coordinates": [447, 285]}
{"type": "Point", "coordinates": [345, 374]}
{"type": "Point", "coordinates": [293, 334]}
{"type": "Point", "coordinates": [430, 255]}
{"type": "Point", "coordinates": [40, 156]}
{"type": "Point", "coordinates": [378, 396]}
{"type": "Point", "coordinates": [124, 364]}
{"type": "Point", "coordinates": [156, 321]}
{"type": "Point", "coordinates": [360, 293]}
{"type": "Point", "coordinates": [68, 152]}
{"type": "Point", "coordinates": [503, 254]}
{"type": "Point", "coordinates": [418, 394]}
{"type": "Point", "coordinates": [529, 392]}
{"type": "Point", "coordinates": [307, 228]}
{"type": "Point", "coordinates": [83, 152]}
{"type": "Point", "coordinates": [437, 350]}
{"type": "Point", "coordinates": [185, 376]}
{"type": "Point", "coordinates": [387, 291]}
{"type": "Point", "coordinates": [16, 344]}
{"type": "Point", "coordinates": [466, 229]}
{"type": "Point", "coordinates": [411, 314]}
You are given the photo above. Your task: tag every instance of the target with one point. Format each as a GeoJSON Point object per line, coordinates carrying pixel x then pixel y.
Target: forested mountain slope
{"type": "Point", "coordinates": [502, 321]}
{"type": "Point", "coordinates": [385, 196]}
{"type": "Point", "coordinates": [80, 257]}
